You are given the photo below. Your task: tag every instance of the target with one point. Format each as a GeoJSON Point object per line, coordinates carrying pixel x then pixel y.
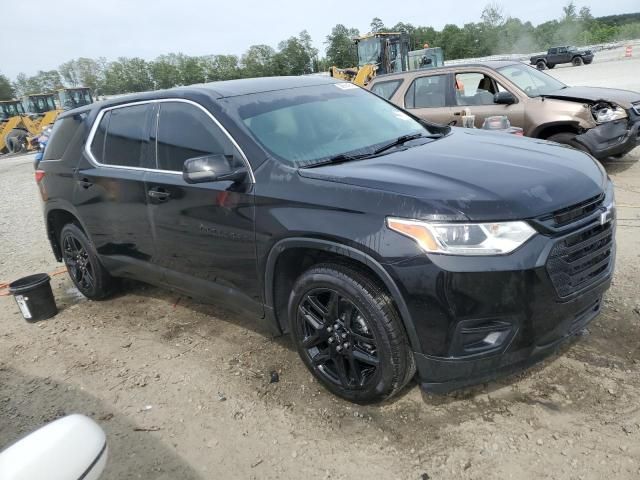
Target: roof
{"type": "Point", "coordinates": [246, 86]}
{"type": "Point", "coordinates": [217, 90]}
{"type": "Point", "coordinates": [494, 64]}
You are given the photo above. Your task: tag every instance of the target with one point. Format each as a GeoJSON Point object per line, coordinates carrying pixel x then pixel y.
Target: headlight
{"type": "Point", "coordinates": [603, 113]}
{"type": "Point", "coordinates": [464, 238]}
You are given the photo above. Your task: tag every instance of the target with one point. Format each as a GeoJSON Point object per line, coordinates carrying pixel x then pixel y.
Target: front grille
{"type": "Point", "coordinates": [575, 212]}
{"type": "Point", "coordinates": [581, 259]}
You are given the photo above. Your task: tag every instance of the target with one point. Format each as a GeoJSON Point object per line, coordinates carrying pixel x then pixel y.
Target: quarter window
{"type": "Point", "coordinates": [63, 132]}
{"type": "Point", "coordinates": [185, 131]}
{"type": "Point", "coordinates": [386, 89]}
{"type": "Point", "coordinates": [427, 92]}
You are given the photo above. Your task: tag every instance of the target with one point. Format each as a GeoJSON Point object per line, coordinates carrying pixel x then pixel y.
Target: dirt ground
{"type": "Point", "coordinates": [183, 390]}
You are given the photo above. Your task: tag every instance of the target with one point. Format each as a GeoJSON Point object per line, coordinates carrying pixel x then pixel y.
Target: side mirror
{"type": "Point", "coordinates": [504, 98]}
{"type": "Point", "coordinates": [70, 448]}
{"type": "Point", "coordinates": [213, 168]}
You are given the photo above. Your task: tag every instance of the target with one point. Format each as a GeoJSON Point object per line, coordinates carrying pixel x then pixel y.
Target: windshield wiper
{"type": "Point", "coordinates": [401, 140]}
{"type": "Point", "coordinates": [340, 158]}
{"type": "Point", "coordinates": [343, 157]}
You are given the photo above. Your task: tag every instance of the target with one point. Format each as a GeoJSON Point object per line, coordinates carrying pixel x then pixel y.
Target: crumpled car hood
{"type": "Point", "coordinates": [624, 98]}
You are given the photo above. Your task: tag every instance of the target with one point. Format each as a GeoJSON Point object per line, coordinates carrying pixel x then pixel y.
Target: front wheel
{"type": "Point", "coordinates": [551, 66]}
{"type": "Point", "coordinates": [349, 335]}
{"type": "Point", "coordinates": [81, 260]}
{"type": "Point", "coordinates": [541, 65]}
{"type": "Point", "coordinates": [577, 61]}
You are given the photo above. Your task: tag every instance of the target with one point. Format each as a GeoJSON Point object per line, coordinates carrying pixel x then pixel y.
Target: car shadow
{"type": "Point", "coordinates": [615, 166]}
{"type": "Point", "coordinates": [28, 403]}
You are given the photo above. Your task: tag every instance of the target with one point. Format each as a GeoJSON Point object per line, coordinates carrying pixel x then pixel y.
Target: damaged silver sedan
{"type": "Point", "coordinates": [601, 121]}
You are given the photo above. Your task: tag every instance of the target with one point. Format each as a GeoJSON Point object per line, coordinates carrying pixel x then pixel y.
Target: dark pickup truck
{"type": "Point", "coordinates": [557, 55]}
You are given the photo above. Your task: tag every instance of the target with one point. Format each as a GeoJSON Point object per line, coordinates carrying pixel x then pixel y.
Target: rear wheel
{"type": "Point", "coordinates": [541, 65]}
{"type": "Point", "coordinates": [568, 138]}
{"type": "Point", "coordinates": [577, 61]}
{"type": "Point", "coordinates": [81, 260]}
{"type": "Point", "coordinates": [348, 334]}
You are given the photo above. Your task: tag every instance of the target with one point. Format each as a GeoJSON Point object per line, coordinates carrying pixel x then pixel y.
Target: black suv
{"type": "Point", "coordinates": [383, 244]}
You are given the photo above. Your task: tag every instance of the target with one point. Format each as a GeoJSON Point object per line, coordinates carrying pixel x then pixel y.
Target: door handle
{"type": "Point", "coordinates": [159, 194]}
{"type": "Point", "coordinates": [457, 114]}
{"type": "Point", "coordinates": [84, 183]}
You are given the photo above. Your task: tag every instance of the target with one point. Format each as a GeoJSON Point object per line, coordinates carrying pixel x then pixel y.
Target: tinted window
{"type": "Point", "coordinates": [386, 89]}
{"type": "Point", "coordinates": [97, 144]}
{"type": "Point", "coordinates": [427, 92]}
{"type": "Point", "coordinates": [185, 131]}
{"type": "Point", "coordinates": [63, 132]}
{"type": "Point", "coordinates": [553, 51]}
{"type": "Point", "coordinates": [127, 136]}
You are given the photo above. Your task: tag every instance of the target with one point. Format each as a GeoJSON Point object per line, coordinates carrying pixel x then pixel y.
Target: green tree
{"type": "Point", "coordinates": [341, 50]}
{"type": "Point", "coordinates": [569, 12]}
{"type": "Point", "coordinates": [221, 67]}
{"type": "Point", "coordinates": [6, 89]}
{"type": "Point", "coordinates": [85, 72]}
{"type": "Point", "coordinates": [259, 61]}
{"type": "Point", "coordinates": [493, 15]}
{"type": "Point", "coordinates": [127, 75]}
{"type": "Point", "coordinates": [295, 55]}
{"type": "Point", "coordinates": [164, 72]}
{"type": "Point", "coordinates": [377, 25]}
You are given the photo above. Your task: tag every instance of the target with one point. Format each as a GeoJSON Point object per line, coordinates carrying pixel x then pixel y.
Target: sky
{"type": "Point", "coordinates": [70, 29]}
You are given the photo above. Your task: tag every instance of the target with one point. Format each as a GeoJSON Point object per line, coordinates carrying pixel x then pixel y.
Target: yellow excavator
{"type": "Point", "coordinates": [26, 120]}
{"type": "Point", "coordinates": [380, 53]}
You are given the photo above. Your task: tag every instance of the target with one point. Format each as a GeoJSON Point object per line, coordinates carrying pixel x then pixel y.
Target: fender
{"type": "Point", "coordinates": [348, 252]}
{"type": "Point", "coordinates": [573, 125]}
{"type": "Point", "coordinates": [65, 206]}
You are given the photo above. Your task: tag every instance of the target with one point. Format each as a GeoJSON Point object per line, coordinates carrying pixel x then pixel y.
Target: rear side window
{"type": "Point", "coordinates": [63, 132]}
{"type": "Point", "coordinates": [185, 131]}
{"type": "Point", "coordinates": [122, 137]}
{"type": "Point", "coordinates": [427, 92]}
{"type": "Point", "coordinates": [386, 89]}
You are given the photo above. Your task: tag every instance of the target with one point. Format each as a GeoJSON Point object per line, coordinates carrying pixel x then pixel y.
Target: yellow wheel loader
{"type": "Point", "coordinates": [22, 122]}
{"type": "Point", "coordinates": [380, 53]}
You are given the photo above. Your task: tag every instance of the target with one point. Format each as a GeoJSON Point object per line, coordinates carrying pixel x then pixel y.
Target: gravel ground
{"type": "Point", "coordinates": [183, 390]}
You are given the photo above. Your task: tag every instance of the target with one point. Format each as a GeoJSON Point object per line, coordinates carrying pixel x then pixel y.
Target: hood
{"type": "Point", "coordinates": [480, 175]}
{"type": "Point", "coordinates": [624, 98]}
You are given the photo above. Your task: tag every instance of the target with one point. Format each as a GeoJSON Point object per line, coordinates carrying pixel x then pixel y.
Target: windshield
{"type": "Point", "coordinates": [306, 126]}
{"type": "Point", "coordinates": [75, 98]}
{"type": "Point", "coordinates": [368, 51]}
{"type": "Point", "coordinates": [530, 80]}
{"type": "Point", "coordinates": [8, 110]}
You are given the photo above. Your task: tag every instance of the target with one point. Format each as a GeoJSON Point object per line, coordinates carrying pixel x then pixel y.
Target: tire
{"type": "Point", "coordinates": [16, 140]}
{"type": "Point", "coordinates": [567, 138]}
{"type": "Point", "coordinates": [541, 64]}
{"type": "Point", "coordinates": [79, 256]}
{"type": "Point", "coordinates": [349, 334]}
{"type": "Point", "coordinates": [577, 61]}
{"type": "Point", "coordinates": [551, 65]}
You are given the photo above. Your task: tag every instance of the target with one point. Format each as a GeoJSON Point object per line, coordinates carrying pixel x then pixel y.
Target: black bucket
{"type": "Point", "coordinates": [34, 297]}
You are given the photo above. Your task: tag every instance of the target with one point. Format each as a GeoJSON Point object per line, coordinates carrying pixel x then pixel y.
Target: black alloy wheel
{"type": "Point", "coordinates": [337, 338]}
{"type": "Point", "coordinates": [87, 273]}
{"type": "Point", "coordinates": [78, 263]}
{"type": "Point", "coordinates": [348, 333]}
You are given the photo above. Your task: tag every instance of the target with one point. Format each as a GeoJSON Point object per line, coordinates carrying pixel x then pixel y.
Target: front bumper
{"type": "Point", "coordinates": [477, 318]}
{"type": "Point", "coordinates": [611, 138]}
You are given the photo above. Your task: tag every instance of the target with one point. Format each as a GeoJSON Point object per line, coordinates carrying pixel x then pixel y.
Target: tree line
{"type": "Point", "coordinates": [495, 33]}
